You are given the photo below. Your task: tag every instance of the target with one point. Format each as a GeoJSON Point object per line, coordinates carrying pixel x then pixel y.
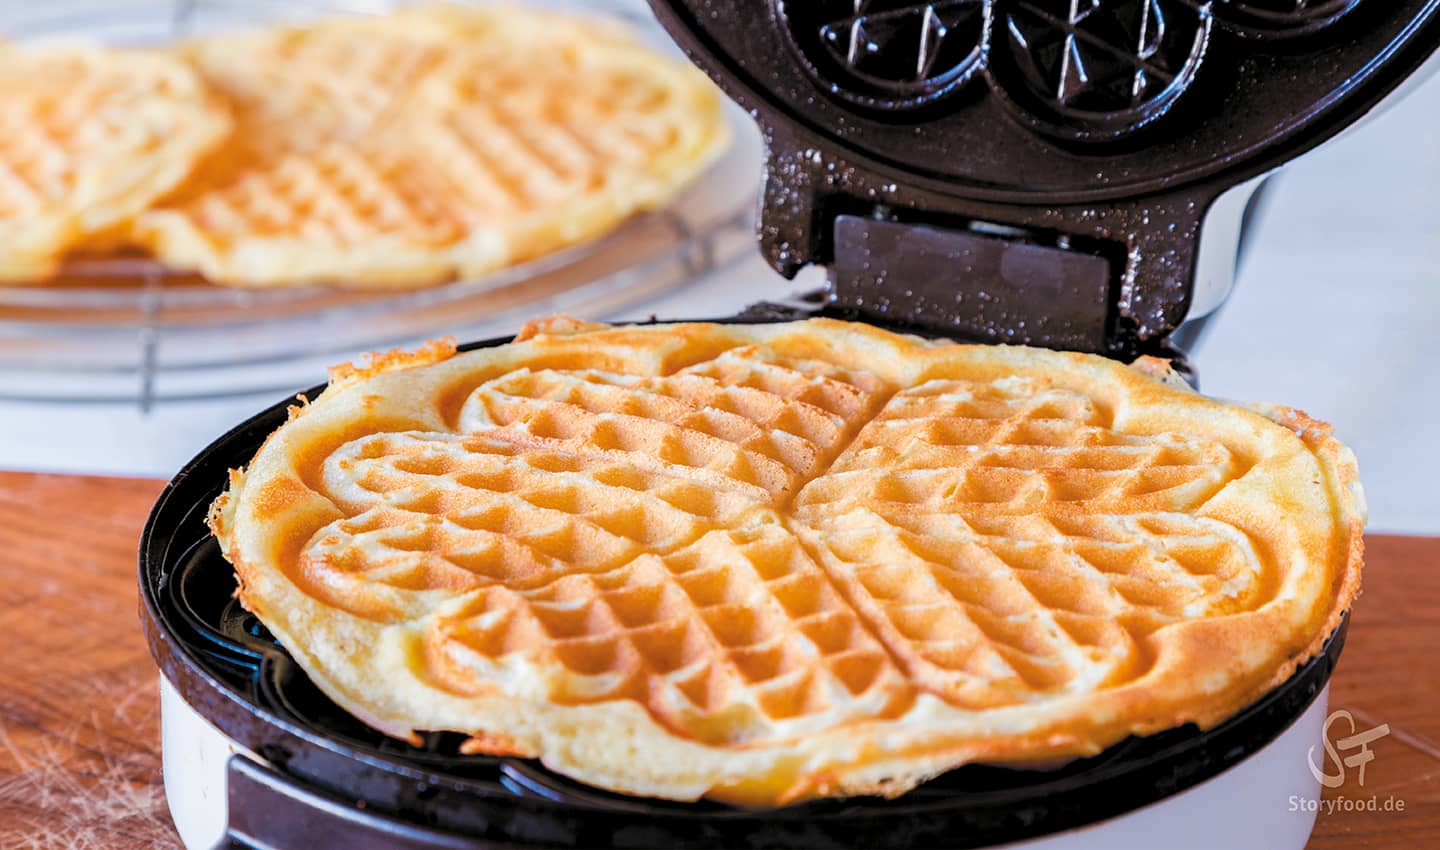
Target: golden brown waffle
{"type": "Point", "coordinates": [88, 138]}
{"type": "Point", "coordinates": [431, 143]}
{"type": "Point", "coordinates": [773, 562]}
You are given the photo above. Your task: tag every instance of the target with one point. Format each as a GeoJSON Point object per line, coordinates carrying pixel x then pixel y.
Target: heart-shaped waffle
{"type": "Point", "coordinates": [766, 563]}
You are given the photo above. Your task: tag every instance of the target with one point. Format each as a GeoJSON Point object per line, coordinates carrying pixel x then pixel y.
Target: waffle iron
{"type": "Point", "coordinates": [1068, 174]}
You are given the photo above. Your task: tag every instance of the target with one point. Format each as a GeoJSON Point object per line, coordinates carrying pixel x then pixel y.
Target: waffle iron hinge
{"type": "Point", "coordinates": [981, 282]}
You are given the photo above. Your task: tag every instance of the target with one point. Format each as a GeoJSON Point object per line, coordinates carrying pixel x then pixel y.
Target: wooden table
{"type": "Point", "coordinates": [79, 713]}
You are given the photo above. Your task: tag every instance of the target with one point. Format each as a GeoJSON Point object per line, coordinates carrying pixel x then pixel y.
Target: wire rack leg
{"type": "Point", "coordinates": [180, 18]}
{"type": "Point", "coordinates": [699, 248]}
{"type": "Point", "coordinates": [149, 338]}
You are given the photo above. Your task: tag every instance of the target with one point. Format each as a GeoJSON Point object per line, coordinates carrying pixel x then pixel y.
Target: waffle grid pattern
{"type": "Point", "coordinates": [751, 547]}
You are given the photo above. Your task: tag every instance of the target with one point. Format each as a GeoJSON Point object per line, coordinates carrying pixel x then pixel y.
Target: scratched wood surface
{"type": "Point", "coordinates": [79, 715]}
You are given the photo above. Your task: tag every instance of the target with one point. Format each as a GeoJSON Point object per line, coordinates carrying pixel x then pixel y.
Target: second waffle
{"type": "Point", "coordinates": [433, 143]}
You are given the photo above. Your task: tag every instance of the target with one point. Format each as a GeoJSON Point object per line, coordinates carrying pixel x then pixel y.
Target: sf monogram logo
{"type": "Point", "coordinates": [1358, 742]}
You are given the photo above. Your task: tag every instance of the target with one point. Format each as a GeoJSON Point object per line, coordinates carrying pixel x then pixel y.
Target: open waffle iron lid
{"type": "Point", "coordinates": [1033, 171]}
{"type": "Point", "coordinates": [998, 170]}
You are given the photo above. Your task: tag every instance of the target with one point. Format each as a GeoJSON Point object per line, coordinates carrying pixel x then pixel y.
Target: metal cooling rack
{"type": "Point", "coordinates": [130, 331]}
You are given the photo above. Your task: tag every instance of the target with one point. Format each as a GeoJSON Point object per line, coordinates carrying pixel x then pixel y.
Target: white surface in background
{"type": "Point", "coordinates": [1336, 311]}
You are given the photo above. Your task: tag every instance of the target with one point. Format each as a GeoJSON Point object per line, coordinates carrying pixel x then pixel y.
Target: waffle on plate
{"type": "Point", "coordinates": [431, 143]}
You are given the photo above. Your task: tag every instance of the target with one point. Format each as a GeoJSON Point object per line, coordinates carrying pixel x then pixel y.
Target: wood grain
{"type": "Point", "coordinates": [79, 715]}
{"type": "Point", "coordinates": [79, 706]}
{"type": "Point", "coordinates": [1389, 674]}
